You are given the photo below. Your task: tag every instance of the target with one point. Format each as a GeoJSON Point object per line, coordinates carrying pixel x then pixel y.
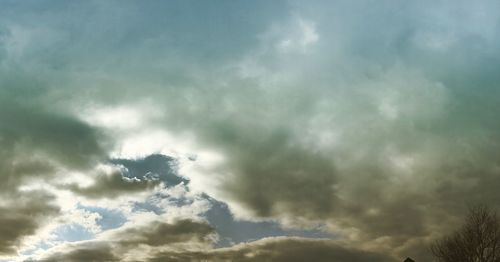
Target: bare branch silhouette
{"type": "Point", "coordinates": [478, 240]}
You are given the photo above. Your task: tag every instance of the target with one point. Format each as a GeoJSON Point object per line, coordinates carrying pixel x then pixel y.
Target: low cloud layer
{"type": "Point", "coordinates": [278, 249]}
{"type": "Point", "coordinates": [270, 249]}
{"type": "Point", "coordinates": [138, 241]}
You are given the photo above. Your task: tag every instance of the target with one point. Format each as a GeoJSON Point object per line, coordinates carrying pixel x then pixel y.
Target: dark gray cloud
{"type": "Point", "coordinates": [276, 250]}
{"type": "Point", "coordinates": [64, 138]}
{"type": "Point", "coordinates": [22, 217]}
{"type": "Point", "coordinates": [264, 166]}
{"type": "Point", "coordinates": [390, 118]}
{"type": "Point", "coordinates": [97, 252]}
{"type": "Point", "coordinates": [123, 240]}
{"type": "Point", "coordinates": [36, 143]}
{"type": "Point", "coordinates": [378, 119]}
{"type": "Point", "coordinates": [160, 233]}
{"type": "Point", "coordinates": [112, 185]}
{"type": "Point", "coordinates": [37, 140]}
{"type": "Point", "coordinates": [132, 175]}
{"type": "Point", "coordinates": [270, 249]}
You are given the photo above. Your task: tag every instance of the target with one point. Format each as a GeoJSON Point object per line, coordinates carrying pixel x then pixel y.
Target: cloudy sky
{"type": "Point", "coordinates": [244, 130]}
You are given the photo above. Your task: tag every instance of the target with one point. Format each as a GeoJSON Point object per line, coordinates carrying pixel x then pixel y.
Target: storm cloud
{"type": "Point", "coordinates": [23, 218]}
{"type": "Point", "coordinates": [269, 249]}
{"type": "Point", "coordinates": [118, 243]}
{"type": "Point", "coordinates": [278, 249]}
{"type": "Point", "coordinates": [374, 121]}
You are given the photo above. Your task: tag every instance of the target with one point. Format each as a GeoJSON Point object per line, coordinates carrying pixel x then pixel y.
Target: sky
{"type": "Point", "coordinates": [232, 130]}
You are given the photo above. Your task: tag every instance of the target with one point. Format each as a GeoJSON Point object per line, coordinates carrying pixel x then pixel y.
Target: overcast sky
{"type": "Point", "coordinates": [244, 130]}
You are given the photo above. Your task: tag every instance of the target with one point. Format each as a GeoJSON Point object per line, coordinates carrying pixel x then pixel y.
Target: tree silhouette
{"type": "Point", "coordinates": [478, 240]}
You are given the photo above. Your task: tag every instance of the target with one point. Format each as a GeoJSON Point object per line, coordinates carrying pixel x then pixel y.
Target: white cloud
{"type": "Point", "coordinates": [300, 38]}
